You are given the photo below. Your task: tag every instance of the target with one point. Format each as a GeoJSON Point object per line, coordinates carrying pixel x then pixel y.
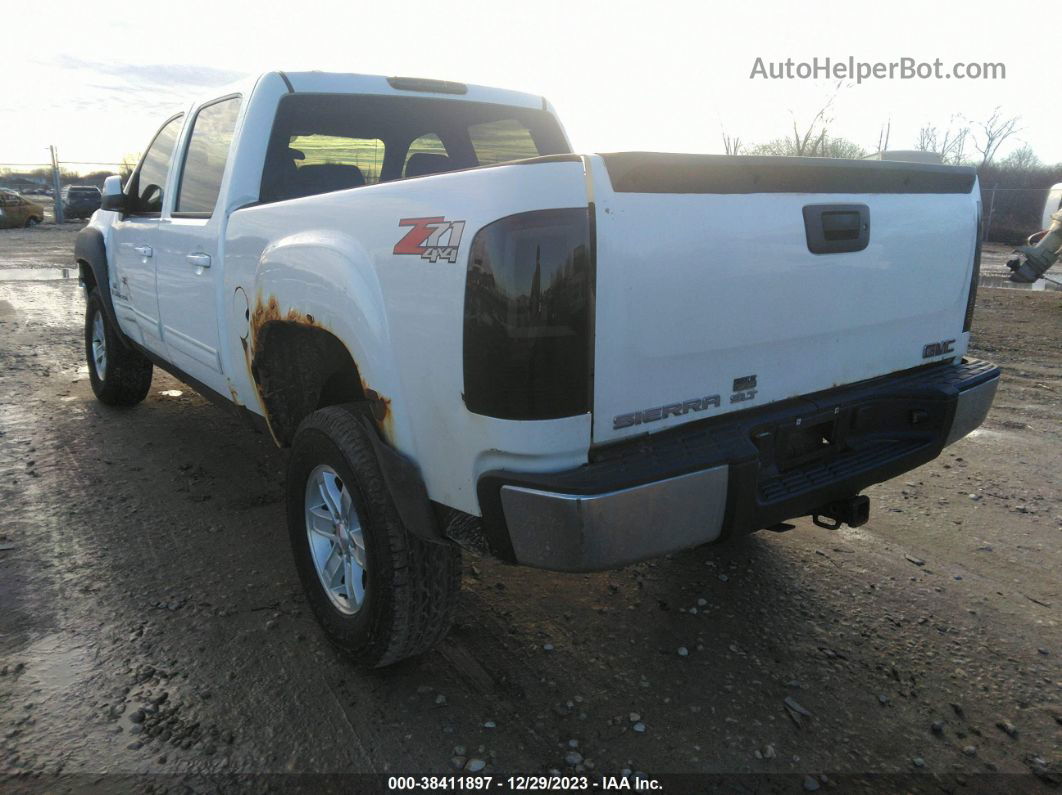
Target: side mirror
{"type": "Point", "coordinates": [113, 197]}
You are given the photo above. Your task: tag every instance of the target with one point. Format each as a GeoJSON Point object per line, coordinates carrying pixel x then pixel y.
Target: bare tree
{"type": "Point", "coordinates": [842, 148]}
{"type": "Point", "coordinates": [129, 161]}
{"type": "Point", "coordinates": [949, 144]}
{"type": "Point", "coordinates": [994, 131]}
{"type": "Point", "coordinates": [883, 136]}
{"type": "Point", "coordinates": [809, 140]}
{"type": "Point", "coordinates": [823, 146]}
{"type": "Point", "coordinates": [927, 139]}
{"type": "Point", "coordinates": [731, 144]}
{"type": "Point", "coordinates": [1022, 159]}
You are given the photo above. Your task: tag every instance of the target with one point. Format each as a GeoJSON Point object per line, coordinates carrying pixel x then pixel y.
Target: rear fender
{"type": "Point", "coordinates": [325, 280]}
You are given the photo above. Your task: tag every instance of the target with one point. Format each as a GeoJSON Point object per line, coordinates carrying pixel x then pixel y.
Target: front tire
{"type": "Point", "coordinates": [380, 593]}
{"type": "Point", "coordinates": [120, 376]}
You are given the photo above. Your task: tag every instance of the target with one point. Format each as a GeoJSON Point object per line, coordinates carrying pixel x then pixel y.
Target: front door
{"type": "Point", "coordinates": [189, 271]}
{"type": "Point", "coordinates": [135, 239]}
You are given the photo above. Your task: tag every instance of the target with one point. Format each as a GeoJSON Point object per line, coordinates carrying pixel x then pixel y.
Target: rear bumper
{"type": "Point", "coordinates": [734, 474]}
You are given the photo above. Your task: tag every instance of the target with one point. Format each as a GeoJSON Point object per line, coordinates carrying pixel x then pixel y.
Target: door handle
{"type": "Point", "coordinates": [143, 251]}
{"type": "Point", "coordinates": [836, 228]}
{"type": "Point", "coordinates": [199, 260]}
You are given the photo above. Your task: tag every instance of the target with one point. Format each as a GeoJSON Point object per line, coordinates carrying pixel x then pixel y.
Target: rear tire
{"type": "Point", "coordinates": [120, 376]}
{"type": "Point", "coordinates": [380, 593]}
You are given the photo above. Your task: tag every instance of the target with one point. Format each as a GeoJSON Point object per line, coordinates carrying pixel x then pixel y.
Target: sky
{"type": "Point", "coordinates": [97, 78]}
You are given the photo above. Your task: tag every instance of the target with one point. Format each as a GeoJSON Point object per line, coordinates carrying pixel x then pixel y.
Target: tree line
{"type": "Point", "coordinates": [26, 178]}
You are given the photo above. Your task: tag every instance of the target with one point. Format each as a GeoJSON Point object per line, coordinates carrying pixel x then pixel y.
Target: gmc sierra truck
{"type": "Point", "coordinates": [469, 336]}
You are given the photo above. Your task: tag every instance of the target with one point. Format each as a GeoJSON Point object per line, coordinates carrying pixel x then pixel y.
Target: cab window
{"type": "Point", "coordinates": [426, 150]}
{"type": "Point", "coordinates": [502, 140]}
{"type": "Point", "coordinates": [339, 160]}
{"type": "Point", "coordinates": [332, 142]}
{"type": "Point", "coordinates": [149, 182]}
{"type": "Point", "coordinates": [206, 156]}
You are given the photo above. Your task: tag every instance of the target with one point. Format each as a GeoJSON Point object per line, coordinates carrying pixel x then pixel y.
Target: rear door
{"type": "Point", "coordinates": [189, 273]}
{"type": "Point", "coordinates": [725, 283]}
{"type": "Point", "coordinates": [134, 237]}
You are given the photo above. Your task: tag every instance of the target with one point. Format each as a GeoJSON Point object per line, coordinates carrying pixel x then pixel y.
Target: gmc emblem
{"type": "Point", "coordinates": [938, 349]}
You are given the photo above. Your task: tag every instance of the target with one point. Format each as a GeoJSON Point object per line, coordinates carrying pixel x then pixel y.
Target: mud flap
{"type": "Point", "coordinates": [406, 486]}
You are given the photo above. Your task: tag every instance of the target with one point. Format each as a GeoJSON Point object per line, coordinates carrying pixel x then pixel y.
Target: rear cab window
{"type": "Point", "coordinates": [501, 141]}
{"type": "Point", "coordinates": [430, 146]}
{"type": "Point", "coordinates": [359, 158]}
{"type": "Point", "coordinates": [329, 142]}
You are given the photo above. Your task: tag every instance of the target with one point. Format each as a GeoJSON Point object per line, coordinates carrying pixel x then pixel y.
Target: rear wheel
{"type": "Point", "coordinates": [120, 376]}
{"type": "Point", "coordinates": [381, 593]}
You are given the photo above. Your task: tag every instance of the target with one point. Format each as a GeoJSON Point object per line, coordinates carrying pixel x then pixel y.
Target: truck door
{"type": "Point", "coordinates": [134, 238]}
{"type": "Point", "coordinates": [189, 273]}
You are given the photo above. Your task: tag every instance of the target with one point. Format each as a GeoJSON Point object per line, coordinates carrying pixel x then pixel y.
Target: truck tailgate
{"type": "Point", "coordinates": [710, 299]}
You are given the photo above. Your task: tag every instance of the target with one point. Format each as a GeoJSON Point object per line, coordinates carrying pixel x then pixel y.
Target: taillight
{"type": "Point", "coordinates": [975, 276]}
{"type": "Point", "coordinates": [528, 316]}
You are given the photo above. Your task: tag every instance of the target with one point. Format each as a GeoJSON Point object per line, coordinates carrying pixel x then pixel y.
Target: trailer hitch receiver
{"type": "Point", "coordinates": [852, 511]}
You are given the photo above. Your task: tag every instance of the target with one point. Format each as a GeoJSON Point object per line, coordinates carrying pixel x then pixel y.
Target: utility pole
{"type": "Point", "coordinates": [991, 210]}
{"type": "Point", "coordinates": [56, 187]}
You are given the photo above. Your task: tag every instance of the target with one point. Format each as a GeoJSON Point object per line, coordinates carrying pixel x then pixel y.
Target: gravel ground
{"type": "Point", "coordinates": [151, 621]}
{"type": "Point", "coordinates": [45, 245]}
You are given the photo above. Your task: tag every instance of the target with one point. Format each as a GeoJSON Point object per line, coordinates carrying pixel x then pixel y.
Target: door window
{"type": "Point", "coordinates": [205, 158]}
{"type": "Point", "coordinates": [149, 182]}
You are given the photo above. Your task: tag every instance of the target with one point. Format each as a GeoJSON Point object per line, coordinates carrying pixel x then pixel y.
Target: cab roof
{"type": "Point", "coordinates": [314, 82]}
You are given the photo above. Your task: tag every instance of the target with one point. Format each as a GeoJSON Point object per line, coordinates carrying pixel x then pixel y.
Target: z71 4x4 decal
{"type": "Point", "coordinates": [426, 238]}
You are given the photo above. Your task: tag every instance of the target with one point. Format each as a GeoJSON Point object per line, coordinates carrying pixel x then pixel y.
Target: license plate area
{"type": "Point", "coordinates": [809, 442]}
{"type": "Point", "coordinates": [803, 441]}
{"type": "Point", "coordinates": [811, 450]}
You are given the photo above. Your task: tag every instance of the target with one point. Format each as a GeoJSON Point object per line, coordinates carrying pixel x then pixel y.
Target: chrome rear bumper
{"type": "Point", "coordinates": [586, 532]}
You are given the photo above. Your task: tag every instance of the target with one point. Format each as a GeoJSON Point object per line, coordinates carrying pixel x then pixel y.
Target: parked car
{"type": "Point", "coordinates": [80, 201]}
{"type": "Point", "coordinates": [17, 210]}
{"type": "Point", "coordinates": [469, 336]}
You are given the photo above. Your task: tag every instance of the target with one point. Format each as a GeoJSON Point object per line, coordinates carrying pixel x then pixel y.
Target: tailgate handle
{"type": "Point", "coordinates": [836, 228]}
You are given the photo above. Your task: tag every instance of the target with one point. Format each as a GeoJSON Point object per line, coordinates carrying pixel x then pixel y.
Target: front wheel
{"type": "Point", "coordinates": [32, 221]}
{"type": "Point", "coordinates": [381, 593]}
{"type": "Point", "coordinates": [120, 376]}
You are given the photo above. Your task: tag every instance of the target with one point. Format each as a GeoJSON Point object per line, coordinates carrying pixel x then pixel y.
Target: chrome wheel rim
{"type": "Point", "coordinates": [99, 346]}
{"type": "Point", "coordinates": [337, 543]}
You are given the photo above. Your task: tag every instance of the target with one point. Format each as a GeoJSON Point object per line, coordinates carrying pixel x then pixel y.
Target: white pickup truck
{"type": "Point", "coordinates": [469, 336]}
